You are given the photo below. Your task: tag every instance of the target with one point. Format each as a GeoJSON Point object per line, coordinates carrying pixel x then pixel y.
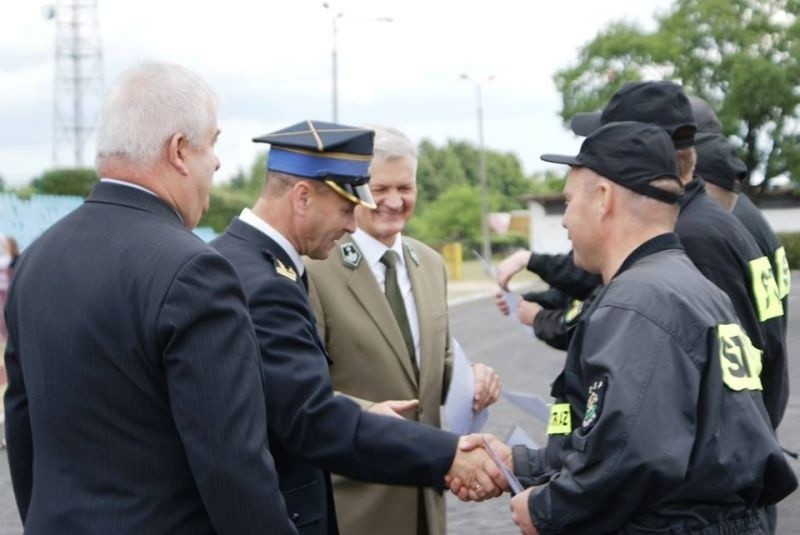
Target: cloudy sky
{"type": "Point", "coordinates": [270, 61]}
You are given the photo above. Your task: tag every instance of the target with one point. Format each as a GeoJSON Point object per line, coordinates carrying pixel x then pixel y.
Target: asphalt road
{"type": "Point", "coordinates": [526, 364]}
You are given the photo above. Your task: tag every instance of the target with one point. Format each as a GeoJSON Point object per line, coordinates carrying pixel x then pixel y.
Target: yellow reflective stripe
{"type": "Point", "coordinates": [560, 419]}
{"type": "Point", "coordinates": [784, 275]}
{"type": "Point", "coordinates": [739, 359]}
{"type": "Point", "coordinates": [765, 290]}
{"type": "Point", "coordinates": [573, 311]}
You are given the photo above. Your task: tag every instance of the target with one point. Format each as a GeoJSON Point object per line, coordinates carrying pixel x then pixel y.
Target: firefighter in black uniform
{"type": "Point", "coordinates": [714, 240]}
{"type": "Point", "coordinates": [743, 208]}
{"type": "Point", "coordinates": [659, 425]}
{"type": "Point", "coordinates": [553, 312]}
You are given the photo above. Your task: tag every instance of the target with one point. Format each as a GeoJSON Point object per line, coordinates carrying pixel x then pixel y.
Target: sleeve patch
{"type": "Point", "coordinates": [560, 422]}
{"type": "Point", "coordinates": [739, 358]}
{"type": "Point", "coordinates": [765, 290]}
{"type": "Point", "coordinates": [594, 402]}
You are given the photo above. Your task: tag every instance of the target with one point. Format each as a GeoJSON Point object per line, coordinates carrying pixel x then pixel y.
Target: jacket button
{"type": "Point", "coordinates": [295, 516]}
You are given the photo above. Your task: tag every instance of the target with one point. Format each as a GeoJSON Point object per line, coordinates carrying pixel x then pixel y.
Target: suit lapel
{"type": "Point", "coordinates": [422, 292]}
{"type": "Point", "coordinates": [365, 288]}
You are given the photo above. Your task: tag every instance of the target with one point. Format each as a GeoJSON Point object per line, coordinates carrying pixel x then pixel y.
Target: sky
{"type": "Point", "coordinates": [270, 62]}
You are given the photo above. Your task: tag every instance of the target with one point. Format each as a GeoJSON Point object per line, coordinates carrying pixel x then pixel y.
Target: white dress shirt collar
{"type": "Point", "coordinates": [247, 216]}
{"type": "Point", "coordinates": [373, 250]}
{"type": "Point", "coordinates": [129, 184]}
{"type": "Point", "coordinates": [140, 188]}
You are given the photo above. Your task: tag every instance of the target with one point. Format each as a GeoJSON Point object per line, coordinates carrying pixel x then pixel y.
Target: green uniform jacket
{"type": "Point", "coordinates": [371, 364]}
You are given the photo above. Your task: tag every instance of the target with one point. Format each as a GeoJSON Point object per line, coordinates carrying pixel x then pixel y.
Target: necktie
{"type": "Point", "coordinates": [396, 303]}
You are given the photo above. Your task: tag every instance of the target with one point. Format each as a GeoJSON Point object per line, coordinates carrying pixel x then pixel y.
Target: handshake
{"type": "Point", "coordinates": [474, 474]}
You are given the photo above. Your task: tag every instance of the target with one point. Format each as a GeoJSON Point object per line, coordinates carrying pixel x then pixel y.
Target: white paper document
{"type": "Point", "coordinates": [518, 437]}
{"type": "Point", "coordinates": [458, 414]}
{"type": "Point", "coordinates": [510, 298]}
{"type": "Point", "coordinates": [530, 403]}
{"type": "Point", "coordinates": [513, 482]}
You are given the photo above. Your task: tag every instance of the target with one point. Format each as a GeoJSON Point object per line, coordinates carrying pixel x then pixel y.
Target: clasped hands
{"type": "Point", "coordinates": [474, 476]}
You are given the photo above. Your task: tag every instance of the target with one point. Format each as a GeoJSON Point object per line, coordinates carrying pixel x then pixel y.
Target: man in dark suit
{"type": "Point", "coordinates": [316, 174]}
{"type": "Point", "coordinates": [134, 402]}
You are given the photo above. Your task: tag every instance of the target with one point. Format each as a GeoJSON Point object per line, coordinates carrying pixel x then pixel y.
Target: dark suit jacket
{"type": "Point", "coordinates": [311, 430]}
{"type": "Point", "coordinates": [134, 403]}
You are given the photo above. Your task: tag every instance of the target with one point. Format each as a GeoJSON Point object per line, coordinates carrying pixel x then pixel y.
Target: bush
{"type": "Point", "coordinates": [791, 242]}
{"type": "Point", "coordinates": [67, 181]}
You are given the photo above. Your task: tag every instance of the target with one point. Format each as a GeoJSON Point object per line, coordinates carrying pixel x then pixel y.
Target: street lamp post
{"type": "Point", "coordinates": [335, 16]}
{"type": "Point", "coordinates": [486, 250]}
{"type": "Point", "coordinates": [335, 63]}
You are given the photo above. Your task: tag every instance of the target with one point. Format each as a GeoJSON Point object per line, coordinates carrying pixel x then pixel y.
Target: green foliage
{"type": "Point", "coordinates": [224, 205]}
{"type": "Point", "coordinates": [457, 164]}
{"type": "Point", "coordinates": [791, 243]}
{"type": "Point", "coordinates": [502, 246]}
{"type": "Point", "coordinates": [227, 200]}
{"type": "Point", "coordinates": [742, 56]}
{"type": "Point", "coordinates": [67, 181]}
{"type": "Point", "coordinates": [453, 216]}
{"type": "Point", "coordinates": [551, 182]}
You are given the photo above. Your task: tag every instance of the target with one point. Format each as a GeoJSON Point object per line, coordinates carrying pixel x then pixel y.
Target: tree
{"type": "Point", "coordinates": [453, 216]}
{"type": "Point", "coordinates": [227, 200]}
{"type": "Point", "coordinates": [456, 164]}
{"type": "Point", "coordinates": [67, 181]}
{"type": "Point", "coordinates": [742, 56]}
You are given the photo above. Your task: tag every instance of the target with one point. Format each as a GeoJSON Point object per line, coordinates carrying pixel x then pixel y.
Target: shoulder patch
{"type": "Point", "coordinates": [594, 402]}
{"type": "Point", "coordinates": [282, 269]}
{"type": "Point", "coordinates": [351, 256]}
{"type": "Point", "coordinates": [573, 311]}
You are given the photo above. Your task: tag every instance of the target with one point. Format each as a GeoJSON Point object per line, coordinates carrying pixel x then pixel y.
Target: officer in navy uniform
{"type": "Point", "coordinates": [658, 424]}
{"type": "Point", "coordinates": [316, 174]}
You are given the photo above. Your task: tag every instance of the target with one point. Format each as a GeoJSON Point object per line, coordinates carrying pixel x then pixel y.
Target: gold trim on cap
{"type": "Point", "coordinates": [320, 130]}
{"type": "Point", "coordinates": [334, 155]}
{"type": "Point", "coordinates": [320, 146]}
{"type": "Point", "coordinates": [349, 196]}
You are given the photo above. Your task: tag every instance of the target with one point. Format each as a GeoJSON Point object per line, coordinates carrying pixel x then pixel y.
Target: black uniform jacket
{"type": "Point", "coordinates": [554, 326]}
{"type": "Point", "coordinates": [559, 271]}
{"type": "Point", "coordinates": [769, 244]}
{"type": "Point", "coordinates": [727, 255]}
{"type": "Point", "coordinates": [311, 430]}
{"type": "Point", "coordinates": [723, 251]}
{"type": "Point", "coordinates": [555, 323]}
{"type": "Point", "coordinates": [133, 403]}
{"type": "Point", "coordinates": [657, 437]}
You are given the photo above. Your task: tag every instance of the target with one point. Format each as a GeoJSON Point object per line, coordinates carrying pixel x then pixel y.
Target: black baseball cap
{"type": "Point", "coordinates": [718, 163]}
{"type": "Point", "coordinates": [704, 116]}
{"type": "Point", "coordinates": [629, 153]}
{"type": "Point", "coordinates": [661, 103]}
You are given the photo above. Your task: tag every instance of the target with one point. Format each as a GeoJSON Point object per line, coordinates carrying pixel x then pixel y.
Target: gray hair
{"type": "Point", "coordinates": [151, 103]}
{"type": "Point", "coordinates": [392, 144]}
